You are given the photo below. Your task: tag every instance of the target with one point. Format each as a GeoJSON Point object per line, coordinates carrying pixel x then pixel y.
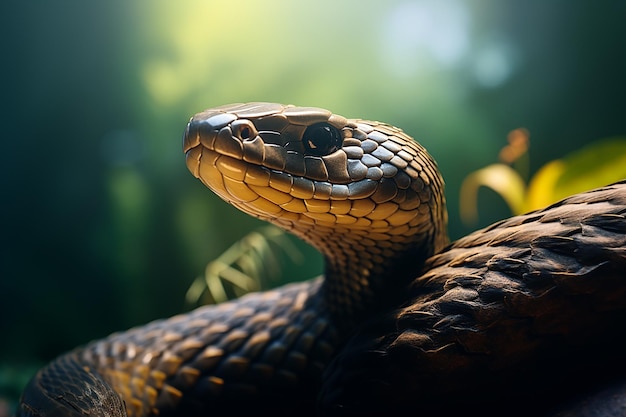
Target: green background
{"type": "Point", "coordinates": [103, 227]}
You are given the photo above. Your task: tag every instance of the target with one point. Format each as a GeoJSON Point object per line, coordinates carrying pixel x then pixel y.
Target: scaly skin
{"type": "Point", "coordinates": [519, 319]}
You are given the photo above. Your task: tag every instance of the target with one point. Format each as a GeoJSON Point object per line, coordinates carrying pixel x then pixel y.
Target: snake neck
{"type": "Point", "coordinates": [360, 285]}
{"type": "Point", "coordinates": [368, 272]}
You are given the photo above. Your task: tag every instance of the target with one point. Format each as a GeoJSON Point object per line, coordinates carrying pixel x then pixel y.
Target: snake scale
{"type": "Point", "coordinates": [401, 320]}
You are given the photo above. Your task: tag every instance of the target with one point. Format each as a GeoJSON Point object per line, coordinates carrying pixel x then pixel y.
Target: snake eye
{"type": "Point", "coordinates": [321, 139]}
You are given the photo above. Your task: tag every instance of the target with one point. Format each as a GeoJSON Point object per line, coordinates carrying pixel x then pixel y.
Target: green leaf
{"type": "Point", "coordinates": [246, 266]}
{"type": "Point", "coordinates": [600, 163]}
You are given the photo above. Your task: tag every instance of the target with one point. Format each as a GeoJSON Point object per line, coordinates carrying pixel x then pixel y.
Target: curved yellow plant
{"type": "Point", "coordinates": [599, 163]}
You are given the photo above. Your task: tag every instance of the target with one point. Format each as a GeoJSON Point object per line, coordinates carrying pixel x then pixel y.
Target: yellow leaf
{"type": "Point", "coordinates": [600, 163]}
{"type": "Point", "coordinates": [502, 179]}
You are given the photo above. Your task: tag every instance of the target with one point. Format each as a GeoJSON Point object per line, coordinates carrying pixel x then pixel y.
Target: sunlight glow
{"type": "Point", "coordinates": [416, 31]}
{"type": "Point", "coordinates": [191, 42]}
{"type": "Point", "coordinates": [493, 65]}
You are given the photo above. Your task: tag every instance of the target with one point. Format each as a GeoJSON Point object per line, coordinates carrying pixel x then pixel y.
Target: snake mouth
{"type": "Point", "coordinates": [269, 193]}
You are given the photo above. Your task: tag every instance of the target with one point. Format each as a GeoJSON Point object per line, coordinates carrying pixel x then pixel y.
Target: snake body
{"type": "Point", "coordinates": [525, 317]}
{"type": "Point", "coordinates": [394, 310]}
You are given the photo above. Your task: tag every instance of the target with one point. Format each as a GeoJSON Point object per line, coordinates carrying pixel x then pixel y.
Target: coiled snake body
{"type": "Point", "coordinates": [398, 322]}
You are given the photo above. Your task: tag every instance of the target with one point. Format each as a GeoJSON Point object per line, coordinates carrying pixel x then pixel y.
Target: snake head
{"type": "Point", "coordinates": [343, 185]}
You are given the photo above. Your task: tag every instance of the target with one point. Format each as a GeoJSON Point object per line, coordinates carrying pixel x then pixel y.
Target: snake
{"type": "Point", "coordinates": [401, 319]}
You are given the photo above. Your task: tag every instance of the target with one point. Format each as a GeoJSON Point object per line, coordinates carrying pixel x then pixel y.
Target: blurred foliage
{"type": "Point", "coordinates": [103, 228]}
{"type": "Point", "coordinates": [597, 164]}
{"type": "Point", "coordinates": [250, 264]}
